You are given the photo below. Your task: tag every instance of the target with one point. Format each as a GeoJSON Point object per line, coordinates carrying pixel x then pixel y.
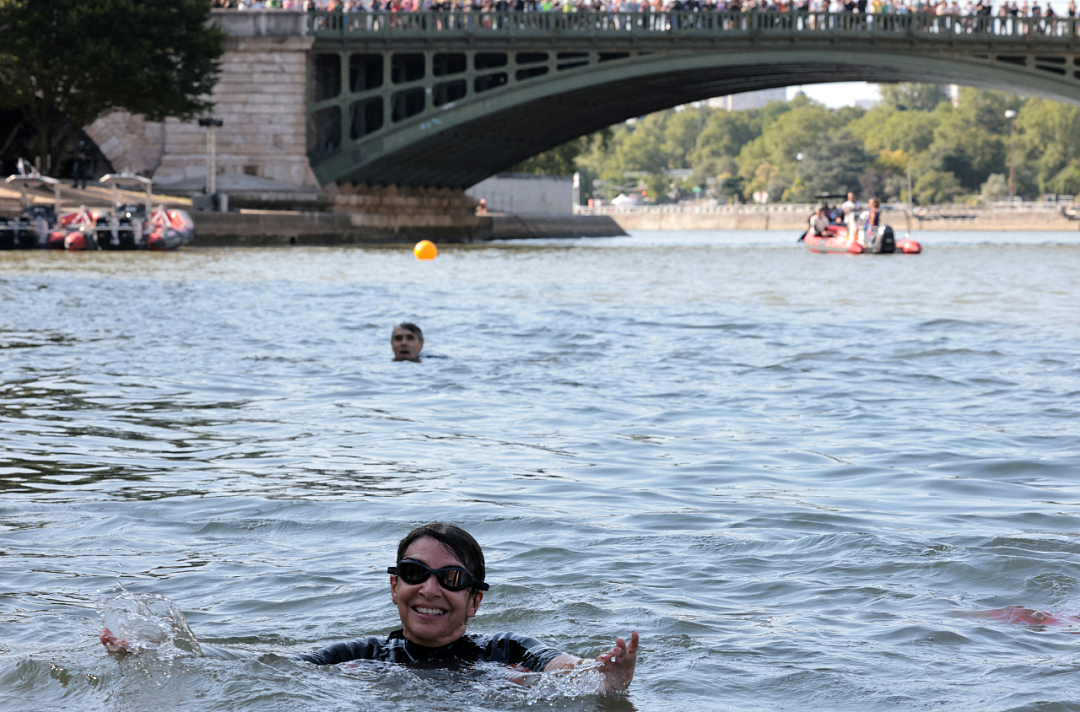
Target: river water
{"type": "Point", "coordinates": [789, 472]}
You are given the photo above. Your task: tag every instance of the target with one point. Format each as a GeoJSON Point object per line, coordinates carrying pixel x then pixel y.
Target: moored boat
{"type": "Point", "coordinates": [127, 226]}
{"type": "Point", "coordinates": [31, 227]}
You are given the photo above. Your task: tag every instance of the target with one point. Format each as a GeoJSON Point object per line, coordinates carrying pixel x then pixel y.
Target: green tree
{"type": "Point", "coordinates": [794, 132]}
{"type": "Point", "coordinates": [562, 160]}
{"type": "Point", "coordinates": [971, 141]}
{"type": "Point", "coordinates": [724, 135]}
{"type": "Point", "coordinates": [995, 188]}
{"type": "Point", "coordinates": [912, 96]}
{"type": "Point", "coordinates": [885, 128]}
{"type": "Point", "coordinates": [1048, 144]}
{"type": "Point", "coordinates": [936, 187]}
{"type": "Point", "coordinates": [834, 165]}
{"type": "Point", "coordinates": [64, 63]}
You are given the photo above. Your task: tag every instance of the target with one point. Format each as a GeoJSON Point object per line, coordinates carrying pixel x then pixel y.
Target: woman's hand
{"type": "Point", "coordinates": [520, 675]}
{"type": "Point", "coordinates": [112, 643]}
{"type": "Point", "coordinates": [617, 664]}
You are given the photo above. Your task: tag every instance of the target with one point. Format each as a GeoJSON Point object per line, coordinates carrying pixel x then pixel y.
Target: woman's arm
{"type": "Point", "coordinates": [616, 665]}
{"type": "Point", "coordinates": [116, 646]}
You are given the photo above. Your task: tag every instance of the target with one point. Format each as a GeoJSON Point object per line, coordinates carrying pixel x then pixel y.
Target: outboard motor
{"type": "Point", "coordinates": [7, 234]}
{"type": "Point", "coordinates": [126, 233]}
{"type": "Point", "coordinates": [106, 235]}
{"type": "Point", "coordinates": [25, 233]}
{"type": "Point", "coordinates": [882, 241]}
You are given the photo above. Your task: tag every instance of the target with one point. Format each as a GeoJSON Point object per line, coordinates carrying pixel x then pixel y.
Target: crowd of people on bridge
{"type": "Point", "coordinates": [1009, 8]}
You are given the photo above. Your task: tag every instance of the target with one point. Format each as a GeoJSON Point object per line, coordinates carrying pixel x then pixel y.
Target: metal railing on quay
{"type": "Point", "coordinates": [614, 24]}
{"type": "Point", "coordinates": [701, 209]}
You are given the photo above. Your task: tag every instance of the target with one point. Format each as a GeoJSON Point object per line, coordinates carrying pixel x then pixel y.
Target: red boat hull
{"type": "Point", "coordinates": [836, 240]}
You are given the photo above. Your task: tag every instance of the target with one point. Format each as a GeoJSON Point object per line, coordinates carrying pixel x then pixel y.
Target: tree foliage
{"type": "Point", "coordinates": [913, 96]}
{"type": "Point", "coordinates": [64, 63]}
{"type": "Point", "coordinates": [834, 165]}
{"type": "Point", "coordinates": [952, 152]}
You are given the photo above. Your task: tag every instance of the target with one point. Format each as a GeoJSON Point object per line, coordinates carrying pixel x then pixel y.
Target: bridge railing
{"type": "Point", "coordinates": [615, 24]}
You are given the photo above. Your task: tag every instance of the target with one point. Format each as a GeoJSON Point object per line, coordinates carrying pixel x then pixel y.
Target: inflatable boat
{"type": "Point", "coordinates": [881, 241]}
{"type": "Point", "coordinates": [31, 227]}
{"type": "Point", "coordinates": [126, 227]}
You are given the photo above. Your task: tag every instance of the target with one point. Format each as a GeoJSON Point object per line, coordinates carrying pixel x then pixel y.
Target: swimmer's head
{"type": "Point", "coordinates": [455, 540]}
{"type": "Point", "coordinates": [407, 340]}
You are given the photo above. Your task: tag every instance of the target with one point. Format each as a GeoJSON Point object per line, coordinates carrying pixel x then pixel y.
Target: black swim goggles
{"type": "Point", "coordinates": [452, 578]}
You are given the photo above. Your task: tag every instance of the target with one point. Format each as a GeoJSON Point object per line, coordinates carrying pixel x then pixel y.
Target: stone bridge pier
{"type": "Point", "coordinates": [262, 145]}
{"type": "Point", "coordinates": [260, 97]}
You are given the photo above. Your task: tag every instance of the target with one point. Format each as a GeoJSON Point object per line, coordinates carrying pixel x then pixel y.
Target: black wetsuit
{"type": "Point", "coordinates": [507, 648]}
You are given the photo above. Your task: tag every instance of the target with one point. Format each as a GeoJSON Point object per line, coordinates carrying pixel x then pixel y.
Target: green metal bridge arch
{"type": "Point", "coordinates": [448, 99]}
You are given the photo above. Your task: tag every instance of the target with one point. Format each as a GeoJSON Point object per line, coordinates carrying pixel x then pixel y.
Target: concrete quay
{"type": "Point", "coordinates": [252, 228]}
{"type": "Point", "coordinates": [1018, 217]}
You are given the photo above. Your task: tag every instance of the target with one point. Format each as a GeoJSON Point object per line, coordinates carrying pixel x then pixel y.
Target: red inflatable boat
{"type": "Point", "coordinates": [882, 241]}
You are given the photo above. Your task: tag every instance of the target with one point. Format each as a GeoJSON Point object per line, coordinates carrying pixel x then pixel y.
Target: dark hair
{"type": "Point", "coordinates": [411, 327]}
{"type": "Point", "coordinates": [456, 540]}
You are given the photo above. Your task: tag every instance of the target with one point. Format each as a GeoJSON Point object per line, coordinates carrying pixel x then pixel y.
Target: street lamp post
{"type": "Point", "coordinates": [1011, 116]}
{"type": "Point", "coordinates": [211, 153]}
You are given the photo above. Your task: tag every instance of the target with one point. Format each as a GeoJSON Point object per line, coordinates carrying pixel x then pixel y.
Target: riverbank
{"type": "Point", "coordinates": [1020, 217]}
{"type": "Point", "coordinates": [391, 216]}
{"type": "Point", "coordinates": [381, 216]}
{"type": "Point", "coordinates": [253, 228]}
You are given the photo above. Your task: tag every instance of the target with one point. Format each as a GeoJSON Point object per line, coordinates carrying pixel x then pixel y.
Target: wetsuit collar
{"type": "Point", "coordinates": [422, 653]}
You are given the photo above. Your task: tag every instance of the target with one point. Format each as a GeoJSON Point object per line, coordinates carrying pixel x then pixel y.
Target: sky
{"type": "Point", "coordinates": [836, 95]}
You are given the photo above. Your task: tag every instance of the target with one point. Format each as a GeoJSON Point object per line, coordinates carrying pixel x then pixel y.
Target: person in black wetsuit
{"type": "Point", "coordinates": [437, 585]}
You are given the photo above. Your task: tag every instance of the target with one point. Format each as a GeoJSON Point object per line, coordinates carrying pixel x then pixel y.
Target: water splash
{"type": "Point", "coordinates": [149, 622]}
{"type": "Point", "coordinates": [585, 679]}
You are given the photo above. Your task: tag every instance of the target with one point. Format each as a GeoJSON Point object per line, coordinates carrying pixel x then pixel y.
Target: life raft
{"type": "Point", "coordinates": [881, 241]}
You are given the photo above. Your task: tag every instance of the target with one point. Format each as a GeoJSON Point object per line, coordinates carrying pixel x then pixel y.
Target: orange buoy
{"type": "Point", "coordinates": [425, 250]}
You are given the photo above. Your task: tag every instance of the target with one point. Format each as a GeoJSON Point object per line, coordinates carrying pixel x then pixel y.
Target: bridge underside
{"type": "Point", "coordinates": [462, 142]}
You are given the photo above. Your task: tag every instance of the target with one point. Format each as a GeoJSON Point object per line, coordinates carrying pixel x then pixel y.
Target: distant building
{"type": "Point", "coordinates": [748, 100]}
{"type": "Point", "coordinates": [954, 95]}
{"type": "Point", "coordinates": [526, 194]}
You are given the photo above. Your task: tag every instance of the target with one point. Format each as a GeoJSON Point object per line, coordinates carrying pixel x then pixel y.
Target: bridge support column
{"type": "Point", "coordinates": [261, 97]}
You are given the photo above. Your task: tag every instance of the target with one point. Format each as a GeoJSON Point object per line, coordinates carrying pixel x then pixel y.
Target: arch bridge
{"type": "Point", "coordinates": [447, 99]}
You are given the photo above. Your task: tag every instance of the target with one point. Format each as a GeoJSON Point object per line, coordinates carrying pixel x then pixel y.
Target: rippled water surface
{"type": "Point", "coordinates": [789, 472]}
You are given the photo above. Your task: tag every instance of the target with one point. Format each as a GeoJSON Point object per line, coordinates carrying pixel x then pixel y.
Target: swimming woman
{"type": "Point", "coordinates": [437, 585]}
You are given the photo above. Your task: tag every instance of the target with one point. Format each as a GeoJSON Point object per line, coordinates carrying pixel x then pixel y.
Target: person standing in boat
{"type": "Point", "coordinates": [850, 211]}
{"type": "Point", "coordinates": [873, 219]}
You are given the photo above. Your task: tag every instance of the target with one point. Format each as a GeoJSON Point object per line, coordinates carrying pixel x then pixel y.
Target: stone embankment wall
{"type": "Point", "coordinates": [710, 221]}
{"type": "Point", "coordinates": [1050, 218]}
{"type": "Point", "coordinates": [379, 215]}
{"type": "Point", "coordinates": [275, 228]}
{"type": "Point", "coordinates": [360, 215]}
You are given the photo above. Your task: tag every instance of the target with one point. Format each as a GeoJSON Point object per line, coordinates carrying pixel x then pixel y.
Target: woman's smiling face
{"type": "Point", "coordinates": [431, 615]}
